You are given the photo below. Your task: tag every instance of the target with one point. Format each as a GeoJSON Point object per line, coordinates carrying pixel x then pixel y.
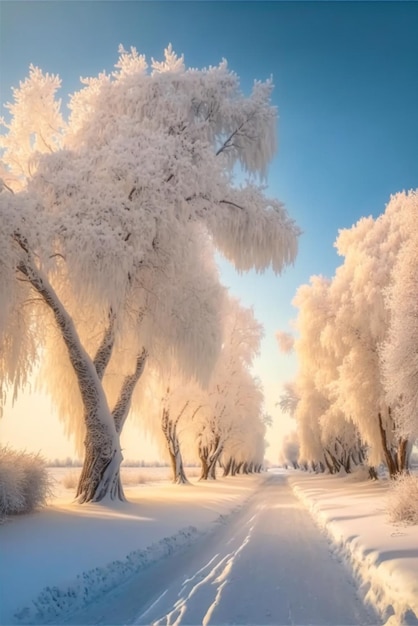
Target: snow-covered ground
{"type": "Point", "coordinates": [66, 556]}
{"type": "Point", "coordinates": [382, 556]}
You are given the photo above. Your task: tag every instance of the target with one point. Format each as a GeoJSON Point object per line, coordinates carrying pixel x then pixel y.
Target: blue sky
{"type": "Point", "coordinates": [346, 76]}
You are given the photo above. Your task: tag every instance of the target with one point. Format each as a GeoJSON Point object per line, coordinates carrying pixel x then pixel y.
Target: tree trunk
{"type": "Point", "coordinates": [336, 465]}
{"type": "Point", "coordinates": [177, 468]}
{"type": "Point", "coordinates": [176, 460]}
{"type": "Point", "coordinates": [123, 405]}
{"type": "Point", "coordinates": [100, 475]}
{"type": "Point", "coordinates": [347, 464]}
{"type": "Point", "coordinates": [328, 463]}
{"type": "Point", "coordinates": [169, 428]}
{"type": "Point", "coordinates": [104, 351]}
{"type": "Point", "coordinates": [390, 461]}
{"type": "Point", "coordinates": [227, 467]}
{"type": "Point", "coordinates": [203, 456]}
{"type": "Point", "coordinates": [214, 457]}
{"type": "Point", "coordinates": [402, 455]}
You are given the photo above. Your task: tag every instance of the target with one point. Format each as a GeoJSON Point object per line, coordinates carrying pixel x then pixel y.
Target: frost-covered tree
{"type": "Point", "coordinates": [244, 443]}
{"type": "Point", "coordinates": [312, 401]}
{"type": "Point", "coordinates": [285, 341]}
{"type": "Point", "coordinates": [289, 399]}
{"type": "Point", "coordinates": [370, 249]}
{"type": "Point", "coordinates": [343, 410]}
{"type": "Point", "coordinates": [223, 419]}
{"type": "Point", "coordinates": [173, 402]}
{"type": "Point", "coordinates": [145, 152]}
{"type": "Point", "coordinates": [289, 451]}
{"type": "Point", "coordinates": [228, 386]}
{"type": "Point", "coordinates": [399, 352]}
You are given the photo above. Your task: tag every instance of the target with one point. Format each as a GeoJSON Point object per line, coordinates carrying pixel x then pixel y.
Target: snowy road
{"type": "Point", "coordinates": [269, 564]}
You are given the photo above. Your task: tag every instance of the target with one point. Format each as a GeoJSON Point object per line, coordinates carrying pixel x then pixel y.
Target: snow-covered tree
{"type": "Point", "coordinates": [244, 443]}
{"type": "Point", "coordinates": [285, 341]}
{"type": "Point", "coordinates": [289, 451]}
{"type": "Point", "coordinates": [172, 402]}
{"type": "Point", "coordinates": [145, 152]}
{"type": "Point", "coordinates": [312, 400]}
{"type": "Point", "coordinates": [289, 399]}
{"type": "Point", "coordinates": [370, 249]}
{"type": "Point", "coordinates": [229, 386]}
{"type": "Point", "coordinates": [399, 351]}
{"type": "Point", "coordinates": [343, 410]}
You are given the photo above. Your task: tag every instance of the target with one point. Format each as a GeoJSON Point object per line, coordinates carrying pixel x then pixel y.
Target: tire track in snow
{"type": "Point", "coordinates": [211, 579]}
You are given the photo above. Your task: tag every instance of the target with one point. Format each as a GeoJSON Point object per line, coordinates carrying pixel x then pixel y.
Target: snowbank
{"type": "Point", "coordinates": [65, 556]}
{"type": "Point", "coordinates": [383, 556]}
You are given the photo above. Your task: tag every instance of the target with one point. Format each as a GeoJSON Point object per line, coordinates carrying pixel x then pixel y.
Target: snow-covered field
{"type": "Point", "coordinates": [66, 556]}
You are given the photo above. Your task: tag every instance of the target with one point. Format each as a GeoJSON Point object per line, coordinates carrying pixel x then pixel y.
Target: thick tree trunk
{"type": "Point", "coordinates": [100, 475]}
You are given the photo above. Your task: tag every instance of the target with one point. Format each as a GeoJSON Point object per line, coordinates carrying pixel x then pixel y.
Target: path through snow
{"type": "Point", "coordinates": [269, 564]}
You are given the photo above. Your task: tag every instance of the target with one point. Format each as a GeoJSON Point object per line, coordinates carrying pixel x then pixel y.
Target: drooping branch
{"type": "Point", "coordinates": [237, 206]}
{"type": "Point", "coordinates": [228, 142]}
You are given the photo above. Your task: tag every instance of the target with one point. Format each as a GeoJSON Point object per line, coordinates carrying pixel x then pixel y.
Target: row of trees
{"type": "Point", "coordinates": [355, 397]}
{"type": "Point", "coordinates": [109, 222]}
{"type": "Point", "coordinates": [221, 423]}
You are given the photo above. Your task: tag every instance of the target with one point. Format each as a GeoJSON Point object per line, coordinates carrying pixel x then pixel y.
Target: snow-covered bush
{"type": "Point", "coordinates": [11, 484]}
{"type": "Point", "coordinates": [402, 506]}
{"type": "Point", "coordinates": [24, 482]}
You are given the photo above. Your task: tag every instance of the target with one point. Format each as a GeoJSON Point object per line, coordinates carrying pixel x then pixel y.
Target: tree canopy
{"type": "Point", "coordinates": [109, 220]}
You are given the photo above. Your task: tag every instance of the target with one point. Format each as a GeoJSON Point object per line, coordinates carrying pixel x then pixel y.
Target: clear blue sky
{"type": "Point", "coordinates": [346, 76]}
